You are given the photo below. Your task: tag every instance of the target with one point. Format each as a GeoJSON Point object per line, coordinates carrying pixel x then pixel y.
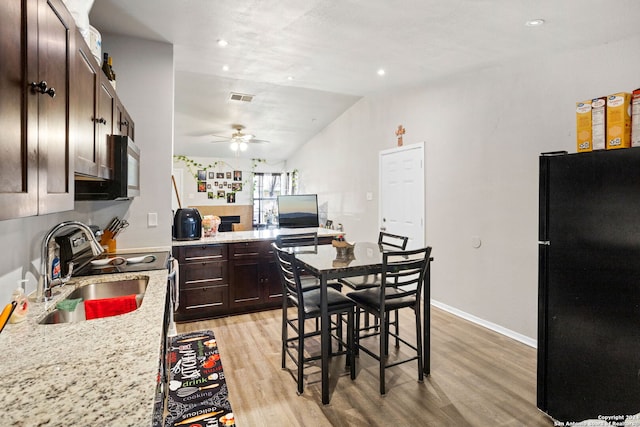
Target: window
{"type": "Point", "coordinates": [266, 189]}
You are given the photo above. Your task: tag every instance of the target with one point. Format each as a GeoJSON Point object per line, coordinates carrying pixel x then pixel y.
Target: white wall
{"type": "Point", "coordinates": [145, 85]}
{"type": "Point", "coordinates": [483, 132]}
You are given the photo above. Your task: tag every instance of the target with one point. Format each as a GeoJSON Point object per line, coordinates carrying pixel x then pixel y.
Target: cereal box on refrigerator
{"type": "Point", "coordinates": [618, 121]}
{"type": "Point", "coordinates": [583, 126]}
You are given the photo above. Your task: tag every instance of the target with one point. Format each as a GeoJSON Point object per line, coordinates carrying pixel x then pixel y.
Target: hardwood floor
{"type": "Point", "coordinates": [478, 378]}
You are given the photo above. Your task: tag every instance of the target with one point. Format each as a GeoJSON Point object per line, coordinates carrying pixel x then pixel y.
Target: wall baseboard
{"type": "Point", "coordinates": [492, 326]}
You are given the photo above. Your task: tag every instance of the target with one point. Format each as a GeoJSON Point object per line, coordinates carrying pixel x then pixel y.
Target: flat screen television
{"type": "Point", "coordinates": [298, 211]}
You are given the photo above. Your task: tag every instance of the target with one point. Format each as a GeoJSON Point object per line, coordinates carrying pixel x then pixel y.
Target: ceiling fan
{"type": "Point", "coordinates": [238, 139]}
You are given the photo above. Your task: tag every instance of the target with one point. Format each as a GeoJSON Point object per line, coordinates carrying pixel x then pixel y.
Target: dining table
{"type": "Point", "coordinates": [327, 262]}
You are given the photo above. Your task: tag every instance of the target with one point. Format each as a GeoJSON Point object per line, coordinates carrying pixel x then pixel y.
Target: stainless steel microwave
{"type": "Point", "coordinates": [126, 168]}
{"type": "Point", "coordinates": [125, 183]}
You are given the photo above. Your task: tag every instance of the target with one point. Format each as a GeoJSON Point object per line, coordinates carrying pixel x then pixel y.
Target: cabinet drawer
{"type": "Point", "coordinates": [203, 274]}
{"type": "Point", "coordinates": [204, 297]}
{"type": "Point", "coordinates": [200, 253]}
{"type": "Point", "coordinates": [249, 249]}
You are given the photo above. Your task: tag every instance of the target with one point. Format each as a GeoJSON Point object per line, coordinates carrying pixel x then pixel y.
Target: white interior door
{"type": "Point", "coordinates": [402, 193]}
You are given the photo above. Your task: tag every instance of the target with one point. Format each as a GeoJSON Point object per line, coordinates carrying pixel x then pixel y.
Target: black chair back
{"type": "Point", "coordinates": [289, 274]}
{"type": "Point", "coordinates": [392, 240]}
{"type": "Point", "coordinates": [404, 272]}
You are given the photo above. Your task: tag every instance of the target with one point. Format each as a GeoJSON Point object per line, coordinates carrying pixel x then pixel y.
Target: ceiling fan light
{"type": "Point", "coordinates": [243, 146]}
{"type": "Point", "coordinates": [234, 146]}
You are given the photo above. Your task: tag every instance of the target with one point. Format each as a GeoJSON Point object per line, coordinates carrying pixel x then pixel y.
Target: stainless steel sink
{"type": "Point", "coordinates": [113, 289]}
{"type": "Point", "coordinates": [96, 291]}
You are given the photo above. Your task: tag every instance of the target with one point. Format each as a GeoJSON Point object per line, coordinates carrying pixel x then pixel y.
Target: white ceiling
{"type": "Point", "coordinates": [333, 49]}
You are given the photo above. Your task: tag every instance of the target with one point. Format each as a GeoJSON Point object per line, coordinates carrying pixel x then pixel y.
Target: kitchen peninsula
{"type": "Point", "coordinates": [231, 272]}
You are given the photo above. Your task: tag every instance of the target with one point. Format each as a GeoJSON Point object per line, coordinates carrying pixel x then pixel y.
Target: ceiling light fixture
{"type": "Point", "coordinates": [534, 22]}
{"type": "Point", "coordinates": [290, 78]}
{"type": "Point", "coordinates": [225, 68]}
{"type": "Point", "coordinates": [222, 43]}
{"type": "Point", "coordinates": [234, 146]}
{"type": "Point", "coordinates": [243, 146]}
{"type": "Point", "coordinates": [381, 72]}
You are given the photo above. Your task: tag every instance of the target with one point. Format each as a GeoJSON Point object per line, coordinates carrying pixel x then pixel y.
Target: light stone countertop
{"type": "Point", "coordinates": [100, 372]}
{"type": "Point", "coordinates": [253, 235]}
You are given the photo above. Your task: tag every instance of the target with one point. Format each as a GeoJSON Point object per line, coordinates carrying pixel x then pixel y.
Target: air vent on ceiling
{"type": "Point", "coordinates": [241, 97]}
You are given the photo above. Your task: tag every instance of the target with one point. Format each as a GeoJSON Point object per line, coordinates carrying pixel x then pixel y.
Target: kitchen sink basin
{"type": "Point", "coordinates": [97, 291]}
{"type": "Point", "coordinates": [113, 289]}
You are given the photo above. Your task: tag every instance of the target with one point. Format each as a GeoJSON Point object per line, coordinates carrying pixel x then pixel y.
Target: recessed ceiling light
{"type": "Point", "coordinates": [289, 77]}
{"type": "Point", "coordinates": [381, 72]}
{"type": "Point", "coordinates": [225, 68]}
{"type": "Point", "coordinates": [534, 22]}
{"type": "Point", "coordinates": [222, 43]}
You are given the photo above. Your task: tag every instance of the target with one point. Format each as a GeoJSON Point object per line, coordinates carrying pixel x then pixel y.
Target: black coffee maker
{"type": "Point", "coordinates": [187, 224]}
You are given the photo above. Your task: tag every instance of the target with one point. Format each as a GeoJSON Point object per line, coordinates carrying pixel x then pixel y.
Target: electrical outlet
{"type": "Point", "coordinates": [152, 219]}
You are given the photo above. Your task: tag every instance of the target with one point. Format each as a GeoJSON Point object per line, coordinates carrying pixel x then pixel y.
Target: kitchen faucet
{"type": "Point", "coordinates": [46, 282]}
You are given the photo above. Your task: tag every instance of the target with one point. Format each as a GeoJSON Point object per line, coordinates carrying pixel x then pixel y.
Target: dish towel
{"type": "Point", "coordinates": [106, 307]}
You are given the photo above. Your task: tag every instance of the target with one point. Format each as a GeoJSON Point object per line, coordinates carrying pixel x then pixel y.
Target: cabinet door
{"type": "Point", "coordinates": [84, 110]}
{"type": "Point", "coordinates": [55, 153]}
{"type": "Point", "coordinates": [246, 282]}
{"type": "Point", "coordinates": [18, 174]}
{"type": "Point", "coordinates": [272, 283]}
{"type": "Point", "coordinates": [104, 127]}
{"type": "Point", "coordinates": [124, 124]}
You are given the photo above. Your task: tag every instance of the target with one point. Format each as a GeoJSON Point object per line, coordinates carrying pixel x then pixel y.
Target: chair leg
{"type": "Point", "coordinates": [384, 344]}
{"type": "Point", "coordinates": [285, 334]}
{"type": "Point", "coordinates": [396, 323]}
{"type": "Point", "coordinates": [351, 354]}
{"type": "Point", "coordinates": [386, 331]}
{"type": "Point", "coordinates": [356, 333]}
{"type": "Point", "coordinates": [339, 330]}
{"type": "Point", "coordinates": [300, 353]}
{"type": "Point", "coordinates": [419, 343]}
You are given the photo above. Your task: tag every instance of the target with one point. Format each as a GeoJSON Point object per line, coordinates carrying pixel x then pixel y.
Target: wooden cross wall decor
{"type": "Point", "coordinates": [399, 134]}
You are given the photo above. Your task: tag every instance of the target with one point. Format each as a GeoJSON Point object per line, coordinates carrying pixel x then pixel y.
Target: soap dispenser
{"type": "Point", "coordinates": [22, 306]}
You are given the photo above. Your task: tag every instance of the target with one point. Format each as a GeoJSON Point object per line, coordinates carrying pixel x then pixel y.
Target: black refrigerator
{"type": "Point", "coordinates": [589, 285]}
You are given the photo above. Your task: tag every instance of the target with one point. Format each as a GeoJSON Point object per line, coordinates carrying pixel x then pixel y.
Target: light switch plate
{"type": "Point", "coordinates": [152, 219]}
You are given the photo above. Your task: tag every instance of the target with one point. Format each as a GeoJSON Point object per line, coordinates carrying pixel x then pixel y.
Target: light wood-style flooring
{"type": "Point", "coordinates": [478, 378]}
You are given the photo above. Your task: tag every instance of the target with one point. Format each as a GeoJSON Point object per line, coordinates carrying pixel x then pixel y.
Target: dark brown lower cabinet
{"type": "Point", "coordinates": [254, 276]}
{"type": "Point", "coordinates": [203, 281]}
{"type": "Point", "coordinates": [230, 278]}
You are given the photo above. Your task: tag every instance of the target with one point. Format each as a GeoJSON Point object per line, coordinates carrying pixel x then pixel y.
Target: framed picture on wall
{"type": "Point", "coordinates": [208, 186]}
{"type": "Point", "coordinates": [220, 175]}
{"type": "Point", "coordinates": [236, 186]}
{"type": "Point", "coordinates": [231, 197]}
{"type": "Point", "coordinates": [228, 175]}
{"type": "Point", "coordinates": [221, 194]}
{"type": "Point", "coordinates": [211, 175]}
{"type": "Point", "coordinates": [210, 194]}
{"type": "Point", "coordinates": [237, 175]}
{"type": "Point", "coordinates": [202, 186]}
{"type": "Point", "coordinates": [202, 175]}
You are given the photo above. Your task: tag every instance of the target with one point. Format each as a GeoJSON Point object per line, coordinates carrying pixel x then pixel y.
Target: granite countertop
{"type": "Point", "coordinates": [99, 372]}
{"type": "Point", "coordinates": [253, 235]}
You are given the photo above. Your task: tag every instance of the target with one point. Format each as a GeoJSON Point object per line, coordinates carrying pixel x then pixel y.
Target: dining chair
{"type": "Point", "coordinates": [401, 286]}
{"type": "Point", "coordinates": [386, 241]}
{"type": "Point", "coordinates": [307, 304]}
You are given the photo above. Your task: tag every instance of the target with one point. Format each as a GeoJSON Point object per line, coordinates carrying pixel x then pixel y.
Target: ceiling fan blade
{"type": "Point", "coordinates": [259, 141]}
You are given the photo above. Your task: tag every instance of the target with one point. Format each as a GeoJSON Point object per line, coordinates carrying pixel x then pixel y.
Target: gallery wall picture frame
{"type": "Point", "coordinates": [211, 175]}
{"type": "Point", "coordinates": [202, 186]}
{"type": "Point", "coordinates": [219, 175]}
{"type": "Point", "coordinates": [221, 194]}
{"type": "Point", "coordinates": [237, 175]}
{"type": "Point", "coordinates": [231, 197]}
{"type": "Point", "coordinates": [208, 186]}
{"type": "Point", "coordinates": [210, 195]}
{"type": "Point", "coordinates": [228, 175]}
{"type": "Point", "coordinates": [236, 186]}
{"type": "Point", "coordinates": [202, 175]}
